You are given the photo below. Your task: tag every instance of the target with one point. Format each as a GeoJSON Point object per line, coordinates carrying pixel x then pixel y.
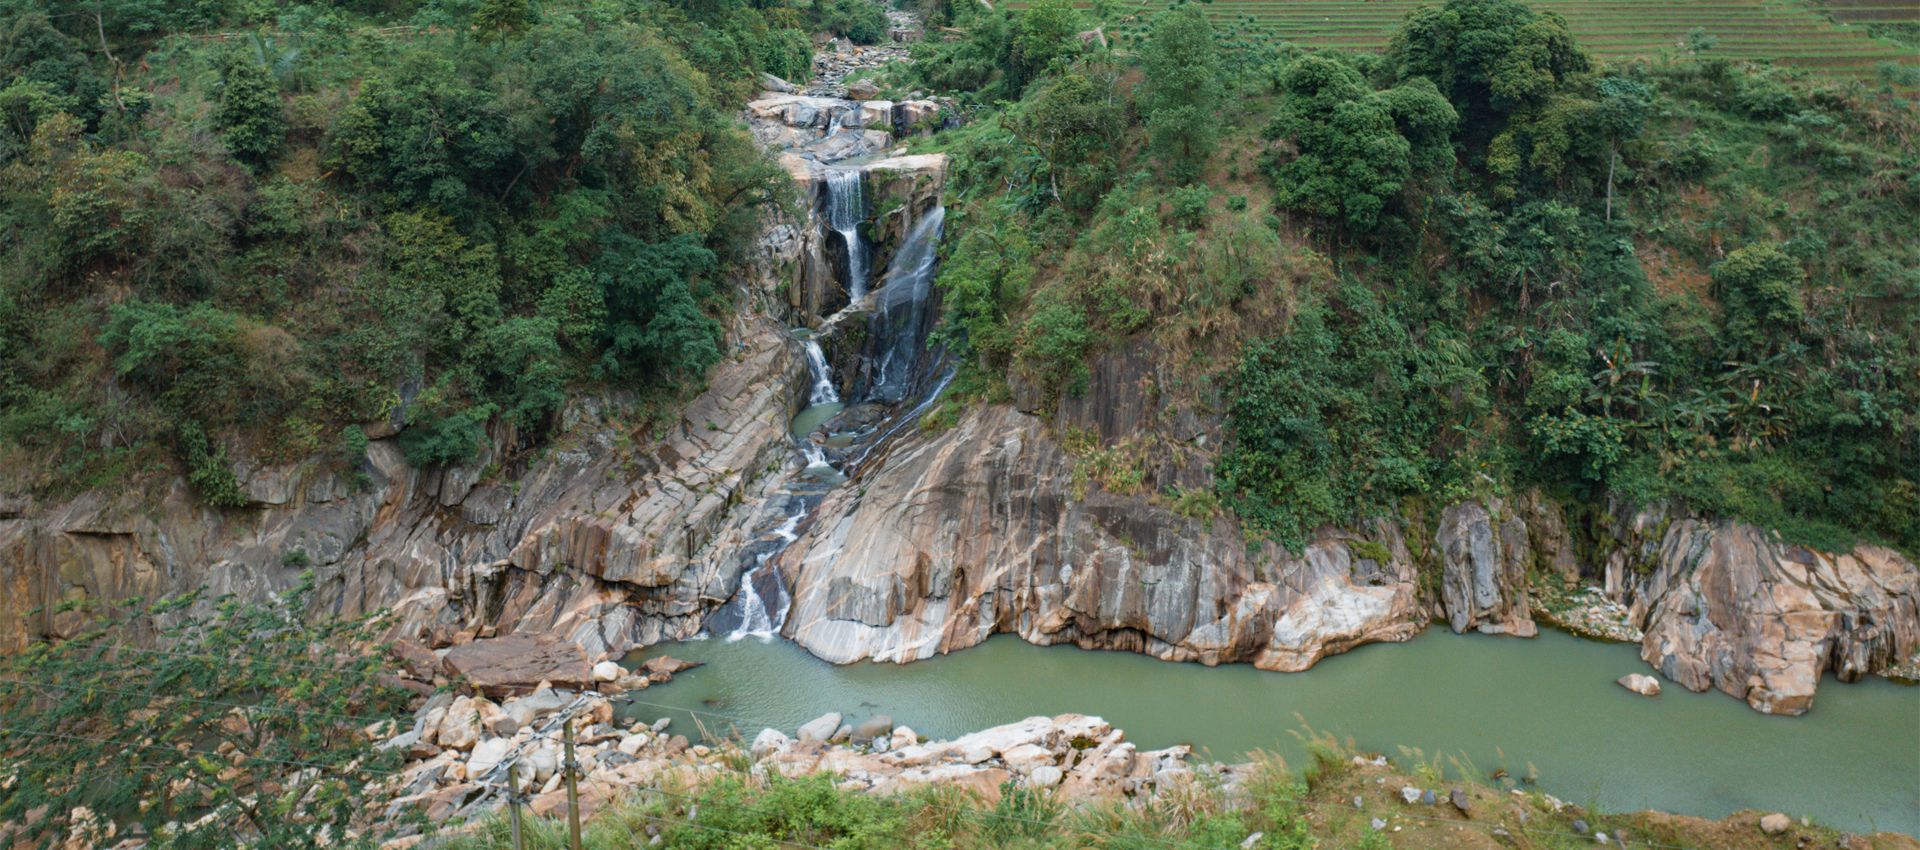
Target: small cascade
{"type": "Point", "coordinates": [846, 209]}
{"type": "Point", "coordinates": [823, 389]}
{"type": "Point", "coordinates": [754, 617]}
{"type": "Point", "coordinates": [897, 333]}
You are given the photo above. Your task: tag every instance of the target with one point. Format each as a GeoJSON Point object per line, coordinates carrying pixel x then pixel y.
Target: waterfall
{"type": "Point", "coordinates": [823, 389]}
{"type": "Point", "coordinates": [755, 620]}
{"type": "Point", "coordinates": [897, 333]}
{"type": "Point", "coordinates": [846, 209]}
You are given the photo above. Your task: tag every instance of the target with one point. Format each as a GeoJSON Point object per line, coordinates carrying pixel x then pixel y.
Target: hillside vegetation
{"type": "Point", "coordinates": [315, 217]}
{"type": "Point", "coordinates": [1483, 259]}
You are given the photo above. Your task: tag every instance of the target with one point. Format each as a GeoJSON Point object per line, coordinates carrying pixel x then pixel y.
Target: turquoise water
{"type": "Point", "coordinates": [1853, 761]}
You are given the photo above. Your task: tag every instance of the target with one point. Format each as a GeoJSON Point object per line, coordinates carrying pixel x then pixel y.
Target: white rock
{"type": "Point", "coordinates": [544, 762]}
{"type": "Point", "coordinates": [1045, 776]}
{"type": "Point", "coordinates": [487, 755]}
{"type": "Point", "coordinates": [607, 671]}
{"type": "Point", "coordinates": [631, 744]}
{"type": "Point", "coordinates": [904, 737]}
{"type": "Point", "coordinates": [1410, 794]}
{"type": "Point", "coordinates": [1775, 823]}
{"type": "Point", "coordinates": [768, 742]}
{"type": "Point", "coordinates": [1640, 683]}
{"type": "Point", "coordinates": [820, 728]}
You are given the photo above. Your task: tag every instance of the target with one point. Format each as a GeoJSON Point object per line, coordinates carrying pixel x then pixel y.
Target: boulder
{"type": "Point", "coordinates": [487, 755]}
{"type": "Point", "coordinates": [877, 726]}
{"type": "Point", "coordinates": [768, 742]}
{"type": "Point", "coordinates": [1775, 824]}
{"type": "Point", "coordinates": [820, 728]}
{"type": "Point", "coordinates": [607, 671]}
{"type": "Point", "coordinates": [667, 665]}
{"type": "Point", "coordinates": [903, 737]}
{"type": "Point", "coordinates": [775, 84]}
{"type": "Point", "coordinates": [863, 90]}
{"type": "Point", "coordinates": [1409, 794]}
{"type": "Point", "coordinates": [1460, 800]}
{"type": "Point", "coordinates": [525, 710]}
{"type": "Point", "coordinates": [1640, 683]}
{"type": "Point", "coordinates": [1045, 776]}
{"type": "Point", "coordinates": [518, 663]}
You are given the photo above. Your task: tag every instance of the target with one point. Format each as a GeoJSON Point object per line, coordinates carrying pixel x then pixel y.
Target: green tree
{"type": "Point", "coordinates": [1759, 291]}
{"type": "Point", "coordinates": [1042, 32]}
{"type": "Point", "coordinates": [249, 113]}
{"type": "Point", "coordinates": [1354, 148]}
{"type": "Point", "coordinates": [1182, 94]}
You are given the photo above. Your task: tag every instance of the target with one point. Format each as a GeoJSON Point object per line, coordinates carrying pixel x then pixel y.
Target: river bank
{"type": "Point", "coordinates": [1076, 780]}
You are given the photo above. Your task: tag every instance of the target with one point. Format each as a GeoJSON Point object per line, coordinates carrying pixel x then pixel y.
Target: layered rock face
{"type": "Point", "coordinates": [608, 545]}
{"type": "Point", "coordinates": [1728, 606]}
{"type": "Point", "coordinates": [977, 531]}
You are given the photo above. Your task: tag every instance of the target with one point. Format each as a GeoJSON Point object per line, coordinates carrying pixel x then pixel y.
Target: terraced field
{"type": "Point", "coordinates": [1783, 31]}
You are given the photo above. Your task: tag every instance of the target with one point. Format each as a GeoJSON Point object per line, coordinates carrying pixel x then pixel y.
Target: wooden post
{"type": "Point", "coordinates": [573, 788]}
{"type": "Point", "coordinates": [513, 806]}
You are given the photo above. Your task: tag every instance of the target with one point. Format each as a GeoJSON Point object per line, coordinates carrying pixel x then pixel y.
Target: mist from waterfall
{"type": "Point", "coordinates": [897, 332]}
{"type": "Point", "coordinates": [846, 208]}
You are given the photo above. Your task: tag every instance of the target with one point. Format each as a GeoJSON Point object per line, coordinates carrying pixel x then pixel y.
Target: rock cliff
{"type": "Point", "coordinates": [976, 530]}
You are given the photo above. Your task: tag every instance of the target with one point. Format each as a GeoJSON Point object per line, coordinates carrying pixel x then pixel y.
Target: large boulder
{"type": "Point", "coordinates": [1641, 683]}
{"type": "Point", "coordinates": [820, 728]}
{"type": "Point", "coordinates": [518, 663]}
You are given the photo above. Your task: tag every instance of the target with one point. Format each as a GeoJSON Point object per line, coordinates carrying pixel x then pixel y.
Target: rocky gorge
{"type": "Point", "coordinates": [618, 536]}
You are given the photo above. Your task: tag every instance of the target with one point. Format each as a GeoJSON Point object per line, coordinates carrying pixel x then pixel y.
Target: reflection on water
{"type": "Point", "coordinates": [1854, 761]}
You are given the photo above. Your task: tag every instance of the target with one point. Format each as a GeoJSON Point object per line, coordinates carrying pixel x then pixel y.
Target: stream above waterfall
{"type": "Point", "coordinates": [1550, 702]}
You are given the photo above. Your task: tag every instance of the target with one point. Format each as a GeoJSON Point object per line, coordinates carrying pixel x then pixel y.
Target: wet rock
{"type": "Point", "coordinates": [820, 728]}
{"type": "Point", "coordinates": [1640, 683]}
{"type": "Point", "coordinates": [877, 726]}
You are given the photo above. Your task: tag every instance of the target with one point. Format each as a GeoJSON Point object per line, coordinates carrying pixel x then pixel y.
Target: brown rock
{"type": "Point", "coordinates": [518, 663]}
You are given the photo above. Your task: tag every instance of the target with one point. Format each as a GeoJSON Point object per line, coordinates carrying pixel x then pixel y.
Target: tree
{"type": "Point", "coordinates": [249, 114]}
{"type": "Point", "coordinates": [1075, 121]}
{"type": "Point", "coordinates": [1043, 32]}
{"type": "Point", "coordinates": [1355, 148]}
{"type": "Point", "coordinates": [1506, 70]}
{"type": "Point", "coordinates": [1759, 291]}
{"type": "Point", "coordinates": [1183, 91]}
{"type": "Point", "coordinates": [242, 728]}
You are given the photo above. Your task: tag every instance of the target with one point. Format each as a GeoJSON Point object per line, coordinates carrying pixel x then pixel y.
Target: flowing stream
{"type": "Point", "coordinates": [1550, 702]}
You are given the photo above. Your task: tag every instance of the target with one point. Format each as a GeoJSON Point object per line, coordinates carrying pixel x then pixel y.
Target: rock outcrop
{"type": "Point", "coordinates": [602, 539]}
{"type": "Point", "coordinates": [982, 529]}
{"type": "Point", "coordinates": [975, 532]}
{"type": "Point", "coordinates": [1728, 606]}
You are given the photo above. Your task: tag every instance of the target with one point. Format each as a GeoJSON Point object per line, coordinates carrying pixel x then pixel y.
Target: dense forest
{"type": "Point", "coordinates": [264, 224]}
{"type": "Point", "coordinates": [1481, 260]}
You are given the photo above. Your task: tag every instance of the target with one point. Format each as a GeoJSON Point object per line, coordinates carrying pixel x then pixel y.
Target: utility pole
{"type": "Point", "coordinates": [573, 788]}
{"type": "Point", "coordinates": [513, 805]}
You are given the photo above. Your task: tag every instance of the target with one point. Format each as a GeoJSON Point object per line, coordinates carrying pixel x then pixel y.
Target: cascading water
{"type": "Point", "coordinates": [823, 389]}
{"type": "Point", "coordinates": [748, 608]}
{"type": "Point", "coordinates": [897, 333]}
{"type": "Point", "coordinates": [846, 209]}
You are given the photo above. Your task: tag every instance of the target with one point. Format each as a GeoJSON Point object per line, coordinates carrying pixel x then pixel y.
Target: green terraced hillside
{"type": "Point", "coordinates": [1786, 32]}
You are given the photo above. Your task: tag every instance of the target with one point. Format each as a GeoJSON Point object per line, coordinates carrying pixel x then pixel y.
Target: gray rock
{"type": "Point", "coordinates": [1377, 824]}
{"type": "Point", "coordinates": [1460, 800]}
{"type": "Point", "coordinates": [1410, 794]}
{"type": "Point", "coordinates": [820, 728]}
{"type": "Point", "coordinates": [1580, 825]}
{"type": "Point", "coordinates": [1429, 798]}
{"type": "Point", "coordinates": [877, 726]}
{"type": "Point", "coordinates": [773, 83]}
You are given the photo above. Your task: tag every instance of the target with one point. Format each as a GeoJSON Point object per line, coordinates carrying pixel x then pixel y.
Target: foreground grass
{"type": "Point", "coordinates": [1336, 803]}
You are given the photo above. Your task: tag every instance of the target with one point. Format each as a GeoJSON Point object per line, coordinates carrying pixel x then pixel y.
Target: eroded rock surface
{"type": "Point", "coordinates": [976, 532]}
